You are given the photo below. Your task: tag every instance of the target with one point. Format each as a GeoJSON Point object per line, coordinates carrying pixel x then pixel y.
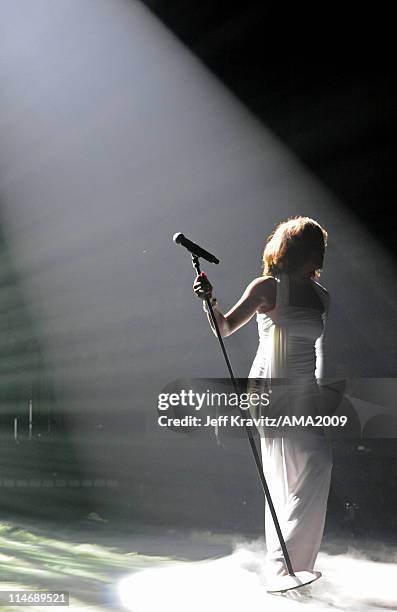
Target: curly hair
{"type": "Point", "coordinates": [292, 243]}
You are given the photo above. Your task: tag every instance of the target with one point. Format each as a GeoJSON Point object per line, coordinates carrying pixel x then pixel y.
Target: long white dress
{"type": "Point", "coordinates": [297, 467]}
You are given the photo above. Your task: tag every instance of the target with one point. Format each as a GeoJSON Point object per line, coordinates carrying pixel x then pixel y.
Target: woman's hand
{"type": "Point", "coordinates": [260, 293]}
{"type": "Point", "coordinates": [202, 286]}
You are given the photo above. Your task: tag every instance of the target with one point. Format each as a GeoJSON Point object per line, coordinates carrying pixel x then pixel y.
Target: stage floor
{"type": "Point", "coordinates": [150, 568]}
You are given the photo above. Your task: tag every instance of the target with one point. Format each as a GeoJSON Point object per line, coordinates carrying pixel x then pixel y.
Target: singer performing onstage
{"type": "Point", "coordinates": [291, 309]}
{"type": "Point", "coordinates": [125, 483]}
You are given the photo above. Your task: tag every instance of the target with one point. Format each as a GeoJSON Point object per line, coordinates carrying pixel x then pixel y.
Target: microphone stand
{"type": "Point", "coordinates": [196, 266]}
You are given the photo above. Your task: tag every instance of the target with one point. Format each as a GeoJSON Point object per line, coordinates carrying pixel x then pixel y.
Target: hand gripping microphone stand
{"type": "Point", "coordinates": [293, 579]}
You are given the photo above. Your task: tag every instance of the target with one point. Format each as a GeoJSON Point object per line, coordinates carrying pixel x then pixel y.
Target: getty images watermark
{"type": "Point", "coordinates": [343, 407]}
{"type": "Point", "coordinates": [253, 402]}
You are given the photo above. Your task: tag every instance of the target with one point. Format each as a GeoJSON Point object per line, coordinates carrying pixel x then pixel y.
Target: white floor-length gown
{"type": "Point", "coordinates": [297, 467]}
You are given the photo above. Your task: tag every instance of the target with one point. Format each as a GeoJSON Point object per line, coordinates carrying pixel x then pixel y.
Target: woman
{"type": "Point", "coordinates": [291, 309]}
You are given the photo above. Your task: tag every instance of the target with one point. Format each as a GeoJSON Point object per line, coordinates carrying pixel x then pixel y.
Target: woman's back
{"type": "Point", "coordinates": [289, 335]}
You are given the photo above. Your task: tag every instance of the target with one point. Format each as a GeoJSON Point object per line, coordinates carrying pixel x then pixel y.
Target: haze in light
{"type": "Point", "coordinates": [112, 138]}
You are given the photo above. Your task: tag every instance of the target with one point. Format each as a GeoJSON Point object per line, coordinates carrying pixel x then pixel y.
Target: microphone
{"type": "Point", "coordinates": [179, 238]}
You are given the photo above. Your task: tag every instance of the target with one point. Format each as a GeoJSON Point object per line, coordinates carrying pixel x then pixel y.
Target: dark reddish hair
{"type": "Point", "coordinates": [292, 243]}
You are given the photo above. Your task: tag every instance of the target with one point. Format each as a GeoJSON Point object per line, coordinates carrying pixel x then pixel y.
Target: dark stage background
{"type": "Point", "coordinates": [114, 134]}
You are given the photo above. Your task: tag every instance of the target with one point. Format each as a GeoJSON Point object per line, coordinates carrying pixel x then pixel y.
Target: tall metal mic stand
{"type": "Point", "coordinates": [299, 578]}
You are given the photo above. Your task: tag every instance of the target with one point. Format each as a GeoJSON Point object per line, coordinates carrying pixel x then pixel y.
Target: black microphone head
{"type": "Point", "coordinates": [178, 237]}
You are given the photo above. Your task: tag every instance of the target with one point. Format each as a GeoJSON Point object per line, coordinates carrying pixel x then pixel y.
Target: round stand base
{"type": "Point", "coordinates": [286, 583]}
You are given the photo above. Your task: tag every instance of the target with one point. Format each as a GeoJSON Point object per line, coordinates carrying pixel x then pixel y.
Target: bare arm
{"type": "Point", "coordinates": [319, 344]}
{"type": "Point", "coordinates": [258, 294]}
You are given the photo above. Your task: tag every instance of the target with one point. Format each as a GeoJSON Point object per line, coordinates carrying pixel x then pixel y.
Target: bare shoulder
{"type": "Point", "coordinates": [262, 284]}
{"type": "Point", "coordinates": [263, 289]}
